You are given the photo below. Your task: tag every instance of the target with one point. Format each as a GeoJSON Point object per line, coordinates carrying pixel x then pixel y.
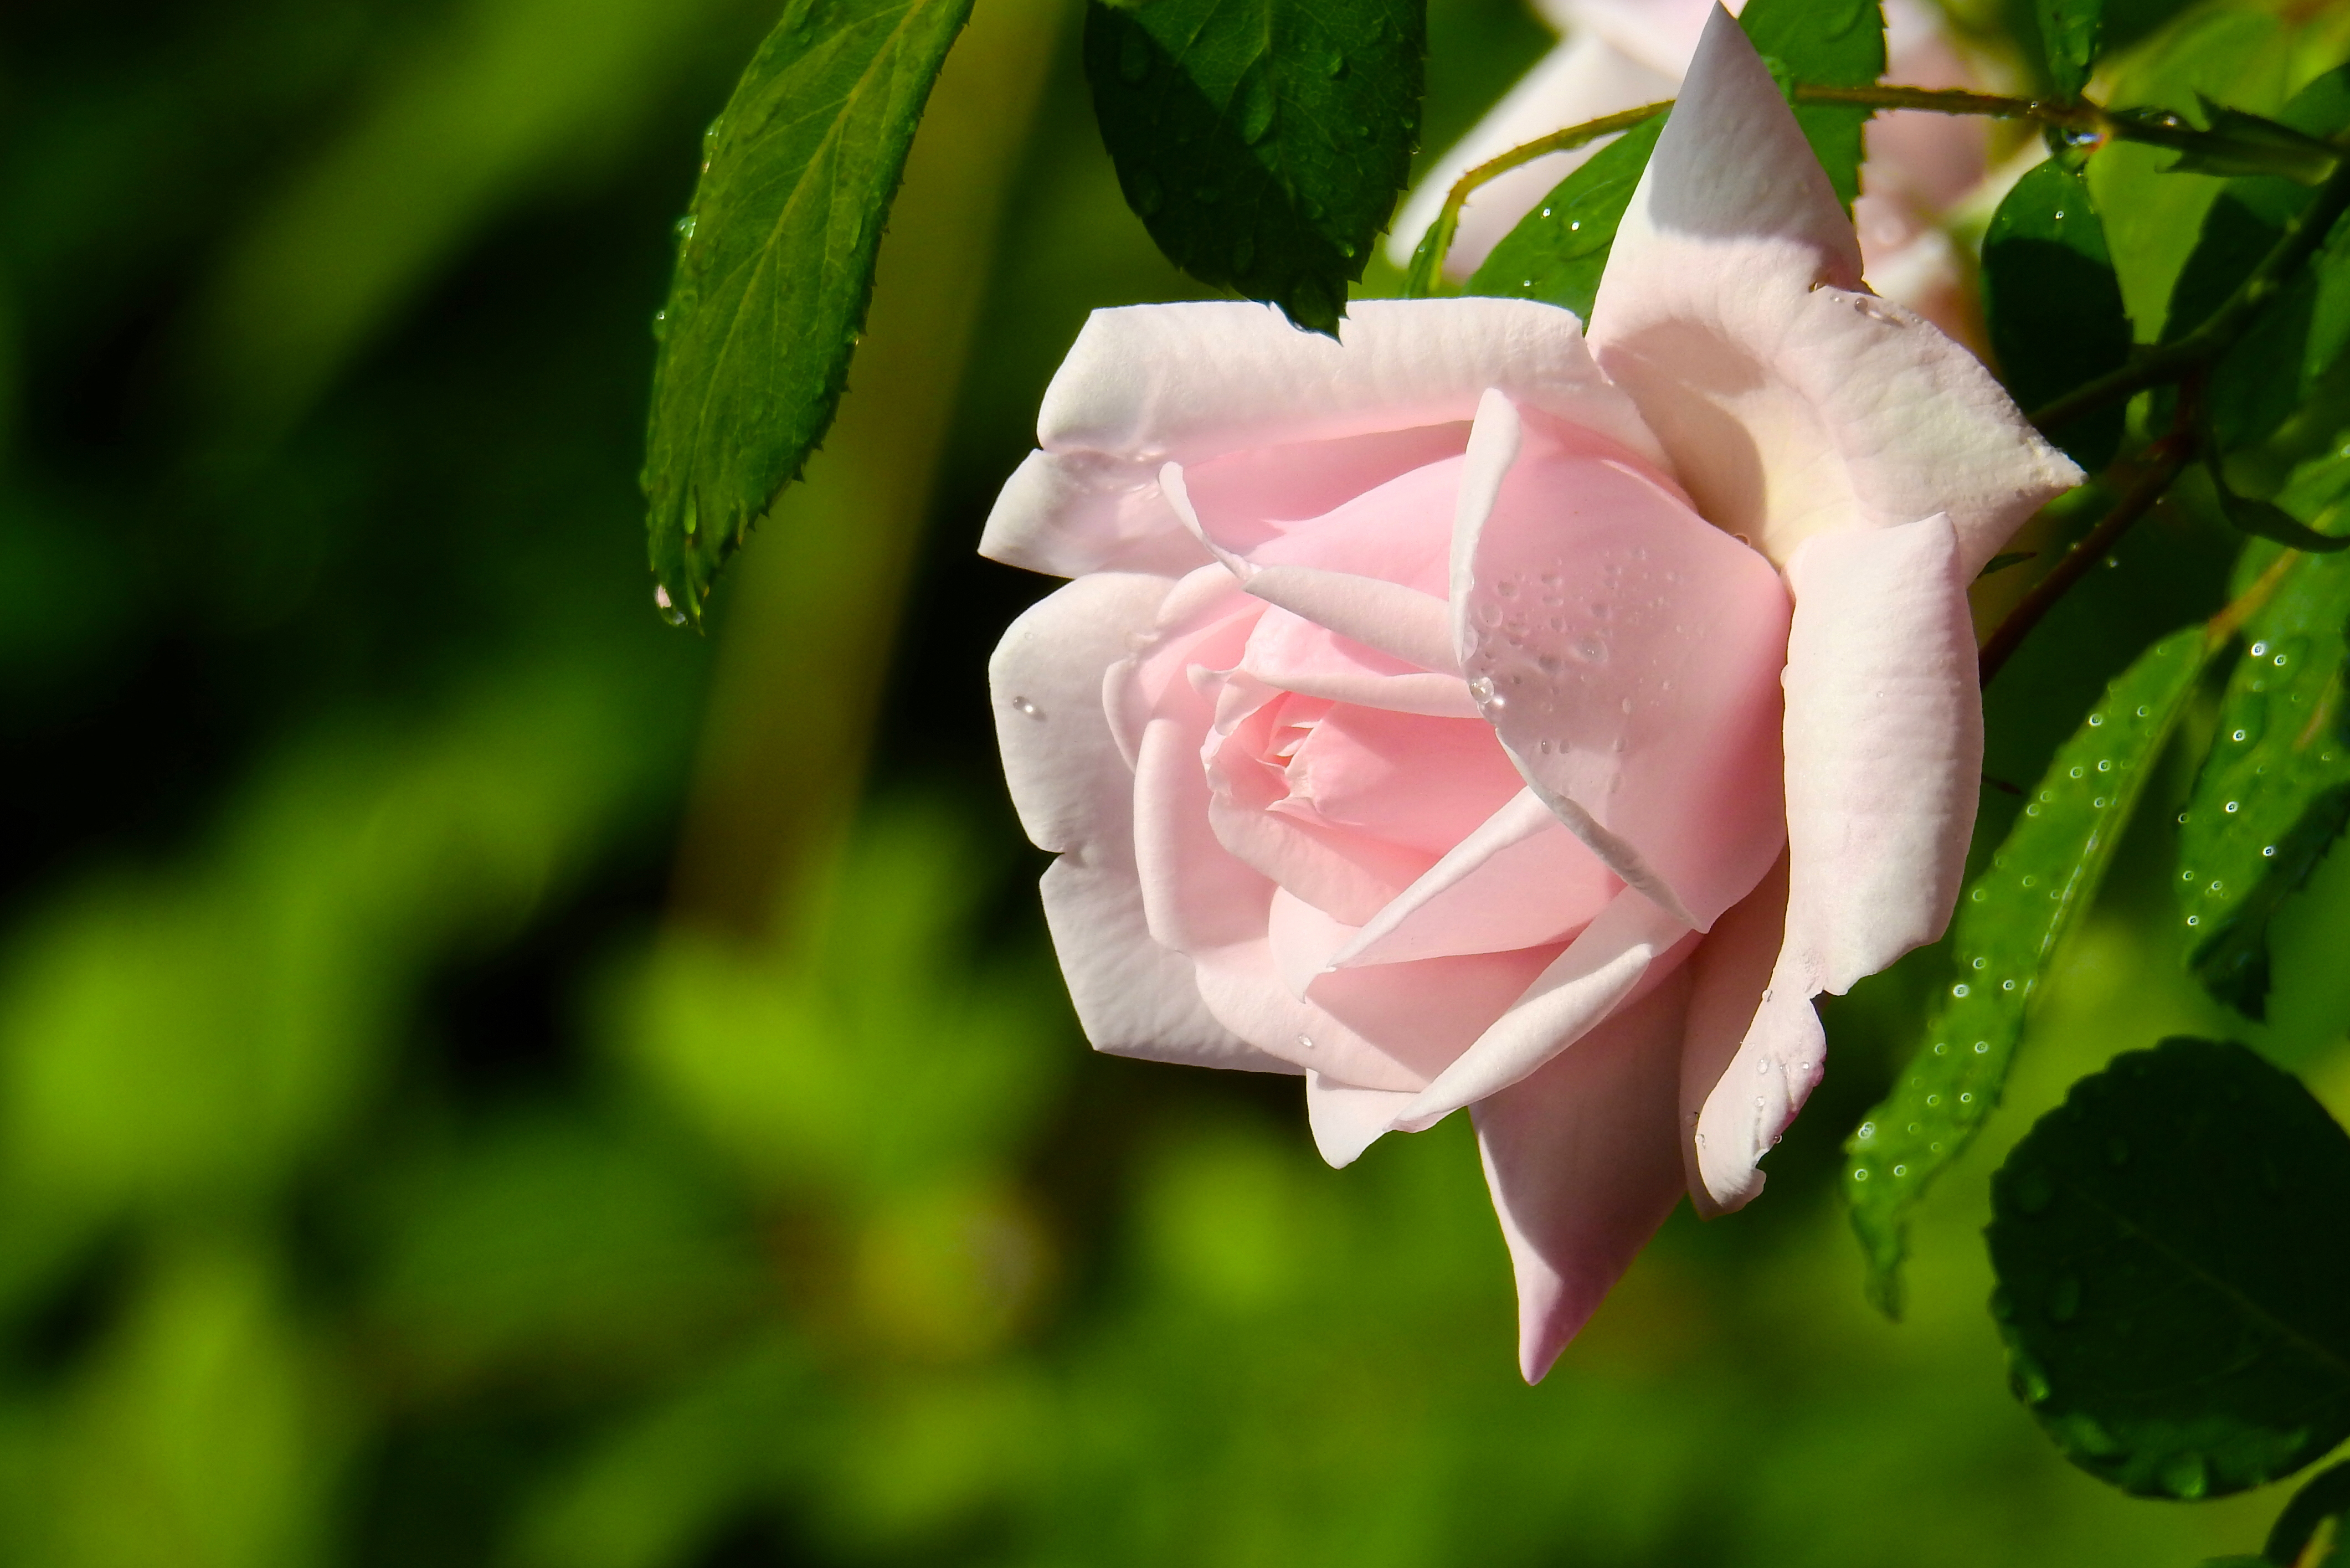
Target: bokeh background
{"type": "Point", "coordinates": [488, 1079]}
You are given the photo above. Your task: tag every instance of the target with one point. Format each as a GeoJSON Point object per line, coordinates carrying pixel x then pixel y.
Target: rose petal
{"type": "Point", "coordinates": [1292, 653]}
{"type": "Point", "coordinates": [1790, 403]}
{"type": "Point", "coordinates": [1257, 496]}
{"type": "Point", "coordinates": [1580, 1159]}
{"type": "Point", "coordinates": [1776, 1067]}
{"type": "Point", "coordinates": [1347, 1120]}
{"type": "Point", "coordinates": [1245, 991]}
{"type": "Point", "coordinates": [1133, 996]}
{"type": "Point", "coordinates": [1884, 745]}
{"type": "Point", "coordinates": [1727, 974]}
{"type": "Point", "coordinates": [1631, 942]}
{"type": "Point", "coordinates": [1628, 655]}
{"type": "Point", "coordinates": [1519, 879]}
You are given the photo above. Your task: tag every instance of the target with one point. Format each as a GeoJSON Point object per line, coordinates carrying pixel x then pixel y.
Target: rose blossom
{"type": "Point", "coordinates": [1414, 718]}
{"type": "Point", "coordinates": [1619, 54]}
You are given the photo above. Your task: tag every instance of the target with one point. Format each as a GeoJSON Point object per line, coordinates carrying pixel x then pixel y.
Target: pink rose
{"type": "Point", "coordinates": [1621, 54]}
{"type": "Point", "coordinates": [1414, 718]}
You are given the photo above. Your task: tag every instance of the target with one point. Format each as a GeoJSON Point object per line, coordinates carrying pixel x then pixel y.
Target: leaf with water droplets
{"type": "Point", "coordinates": [774, 268]}
{"type": "Point", "coordinates": [2009, 923]}
{"type": "Point", "coordinates": [2071, 32]}
{"type": "Point", "coordinates": [1262, 142]}
{"type": "Point", "coordinates": [2203, 1344]}
{"type": "Point", "coordinates": [2053, 304]}
{"type": "Point", "coordinates": [2274, 793]}
{"type": "Point", "coordinates": [1558, 252]}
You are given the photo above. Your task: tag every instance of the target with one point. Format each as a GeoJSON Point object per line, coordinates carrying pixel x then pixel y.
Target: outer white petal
{"type": "Point", "coordinates": [1074, 793]}
{"type": "Point", "coordinates": [1792, 402]}
{"type": "Point", "coordinates": [1776, 1067]}
{"type": "Point", "coordinates": [1884, 741]}
{"type": "Point", "coordinates": [1348, 1120]}
{"type": "Point", "coordinates": [1581, 1161]}
{"type": "Point", "coordinates": [1583, 78]}
{"type": "Point", "coordinates": [1150, 384]}
{"type": "Point", "coordinates": [1727, 976]}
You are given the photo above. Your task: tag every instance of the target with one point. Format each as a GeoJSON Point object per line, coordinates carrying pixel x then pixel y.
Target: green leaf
{"type": "Point", "coordinates": [2069, 35]}
{"type": "Point", "coordinates": [2256, 387]}
{"type": "Point", "coordinates": [2006, 931]}
{"type": "Point", "coordinates": [2053, 304]}
{"type": "Point", "coordinates": [1823, 43]}
{"type": "Point", "coordinates": [776, 267]}
{"type": "Point", "coordinates": [1558, 252]}
{"type": "Point", "coordinates": [2266, 520]}
{"type": "Point", "coordinates": [2275, 791]}
{"type": "Point", "coordinates": [1262, 142]}
{"type": "Point", "coordinates": [2003, 560]}
{"type": "Point", "coordinates": [2173, 1288]}
{"type": "Point", "coordinates": [2234, 142]}
{"type": "Point", "coordinates": [2324, 1501]}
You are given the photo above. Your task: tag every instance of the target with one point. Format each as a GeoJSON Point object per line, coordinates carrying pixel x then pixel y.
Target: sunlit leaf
{"type": "Point", "coordinates": [1823, 43]}
{"type": "Point", "coordinates": [1262, 143]}
{"type": "Point", "coordinates": [2274, 793]}
{"type": "Point", "coordinates": [2237, 143]}
{"type": "Point", "coordinates": [2007, 929]}
{"type": "Point", "coordinates": [1558, 252]}
{"type": "Point", "coordinates": [775, 269]}
{"type": "Point", "coordinates": [2173, 1288]}
{"type": "Point", "coordinates": [2069, 35]}
{"type": "Point", "coordinates": [2053, 304]}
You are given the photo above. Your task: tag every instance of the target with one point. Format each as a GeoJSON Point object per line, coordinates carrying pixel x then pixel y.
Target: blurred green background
{"type": "Point", "coordinates": [487, 1079]}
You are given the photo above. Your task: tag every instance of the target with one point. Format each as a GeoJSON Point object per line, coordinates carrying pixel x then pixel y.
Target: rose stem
{"type": "Point", "coordinates": [2166, 457]}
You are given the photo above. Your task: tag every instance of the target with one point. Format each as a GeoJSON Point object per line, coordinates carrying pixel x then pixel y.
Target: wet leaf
{"type": "Point", "coordinates": [2172, 1285]}
{"type": "Point", "coordinates": [1262, 143]}
{"type": "Point", "coordinates": [2006, 931]}
{"type": "Point", "coordinates": [1558, 252]}
{"type": "Point", "coordinates": [2054, 305]}
{"type": "Point", "coordinates": [775, 269]}
{"type": "Point", "coordinates": [1823, 43]}
{"type": "Point", "coordinates": [2274, 794]}
{"type": "Point", "coordinates": [2069, 35]}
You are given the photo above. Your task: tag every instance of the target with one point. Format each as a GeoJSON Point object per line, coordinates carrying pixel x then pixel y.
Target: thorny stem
{"type": "Point", "coordinates": [2086, 120]}
{"type": "Point", "coordinates": [1429, 258]}
{"type": "Point", "coordinates": [2164, 459]}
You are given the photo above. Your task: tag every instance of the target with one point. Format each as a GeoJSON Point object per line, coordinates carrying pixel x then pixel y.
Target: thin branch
{"type": "Point", "coordinates": [1428, 259]}
{"type": "Point", "coordinates": [2079, 116]}
{"type": "Point", "coordinates": [2166, 458]}
{"type": "Point", "coordinates": [2171, 361]}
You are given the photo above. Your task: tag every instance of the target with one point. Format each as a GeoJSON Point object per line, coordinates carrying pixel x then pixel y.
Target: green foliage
{"type": "Point", "coordinates": [2173, 1290]}
{"type": "Point", "coordinates": [2234, 53]}
{"type": "Point", "coordinates": [2053, 304]}
{"type": "Point", "coordinates": [2322, 1505]}
{"type": "Point", "coordinates": [2274, 794]}
{"type": "Point", "coordinates": [2007, 929]}
{"type": "Point", "coordinates": [1262, 143]}
{"type": "Point", "coordinates": [2265, 375]}
{"type": "Point", "coordinates": [774, 268]}
{"type": "Point", "coordinates": [1557, 253]}
{"type": "Point", "coordinates": [1823, 43]}
{"type": "Point", "coordinates": [2070, 33]}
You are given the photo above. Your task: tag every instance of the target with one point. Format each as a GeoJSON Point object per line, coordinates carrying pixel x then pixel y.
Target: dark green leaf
{"type": "Point", "coordinates": [2003, 560]}
{"type": "Point", "coordinates": [2069, 35]}
{"type": "Point", "coordinates": [2256, 387]}
{"type": "Point", "coordinates": [2235, 142]}
{"type": "Point", "coordinates": [1261, 142]}
{"type": "Point", "coordinates": [1558, 251]}
{"type": "Point", "coordinates": [2053, 304]}
{"type": "Point", "coordinates": [776, 267]}
{"type": "Point", "coordinates": [2274, 793]}
{"type": "Point", "coordinates": [2325, 1500]}
{"type": "Point", "coordinates": [2006, 931]}
{"type": "Point", "coordinates": [2266, 520]}
{"type": "Point", "coordinates": [1823, 43]}
{"type": "Point", "coordinates": [2173, 1288]}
